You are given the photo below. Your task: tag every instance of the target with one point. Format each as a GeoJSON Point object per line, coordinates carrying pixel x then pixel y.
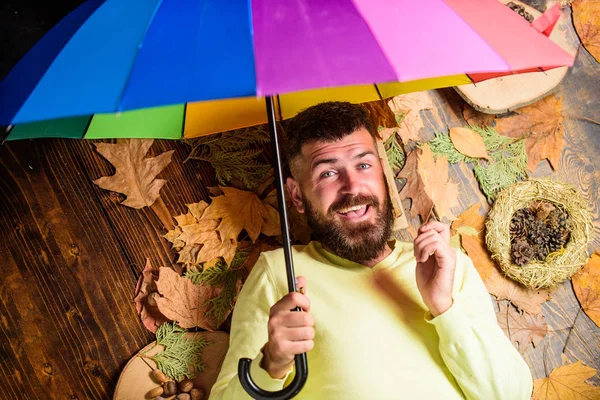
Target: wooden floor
{"type": "Point", "coordinates": [70, 254]}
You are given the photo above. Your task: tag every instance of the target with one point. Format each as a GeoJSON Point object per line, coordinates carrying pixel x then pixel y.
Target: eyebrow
{"type": "Point", "coordinates": [334, 160]}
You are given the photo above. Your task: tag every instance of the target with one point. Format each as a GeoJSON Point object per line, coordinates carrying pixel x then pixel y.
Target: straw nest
{"type": "Point", "coordinates": [559, 265]}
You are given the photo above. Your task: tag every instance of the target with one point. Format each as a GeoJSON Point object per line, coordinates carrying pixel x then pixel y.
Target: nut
{"type": "Point", "coordinates": [157, 391]}
{"type": "Point", "coordinates": [170, 388]}
{"type": "Point", "coordinates": [186, 385]}
{"type": "Point", "coordinates": [158, 376]}
{"type": "Point", "coordinates": [183, 396]}
{"type": "Point", "coordinates": [196, 394]}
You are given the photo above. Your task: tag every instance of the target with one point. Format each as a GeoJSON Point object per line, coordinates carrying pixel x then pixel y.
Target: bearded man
{"type": "Point", "coordinates": [434, 335]}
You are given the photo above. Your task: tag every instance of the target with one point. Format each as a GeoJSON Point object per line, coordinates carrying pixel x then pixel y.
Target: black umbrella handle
{"type": "Point", "coordinates": [300, 359]}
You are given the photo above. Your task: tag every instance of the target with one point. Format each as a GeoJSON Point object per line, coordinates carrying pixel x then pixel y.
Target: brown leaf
{"type": "Point", "coordinates": [421, 203]}
{"type": "Point", "coordinates": [434, 174]}
{"type": "Point", "coordinates": [586, 284]}
{"type": "Point", "coordinates": [184, 302]}
{"type": "Point", "coordinates": [135, 176]}
{"type": "Point", "coordinates": [150, 315]}
{"type": "Point", "coordinates": [468, 142]}
{"type": "Point", "coordinates": [299, 229]}
{"type": "Point", "coordinates": [528, 300]}
{"type": "Point", "coordinates": [257, 249]}
{"type": "Point", "coordinates": [521, 328]}
{"type": "Point", "coordinates": [566, 382]}
{"type": "Point", "coordinates": [476, 118]}
{"type": "Point", "coordinates": [541, 125]}
{"type": "Point", "coordinates": [237, 210]}
{"type": "Point", "coordinates": [586, 18]}
{"type": "Point", "coordinates": [478, 253]}
{"type": "Point", "coordinates": [380, 114]}
{"type": "Point", "coordinates": [409, 107]}
{"type": "Point", "coordinates": [469, 219]}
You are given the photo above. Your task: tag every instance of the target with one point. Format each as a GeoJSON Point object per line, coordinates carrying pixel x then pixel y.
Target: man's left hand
{"type": "Point", "coordinates": [436, 262]}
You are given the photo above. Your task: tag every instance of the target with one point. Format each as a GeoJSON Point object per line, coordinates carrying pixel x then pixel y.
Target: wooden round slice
{"type": "Point", "coordinates": [500, 95]}
{"type": "Point", "coordinates": [135, 381]}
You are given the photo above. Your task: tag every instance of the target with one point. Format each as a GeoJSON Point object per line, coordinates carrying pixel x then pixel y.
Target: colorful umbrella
{"type": "Point", "coordinates": [174, 68]}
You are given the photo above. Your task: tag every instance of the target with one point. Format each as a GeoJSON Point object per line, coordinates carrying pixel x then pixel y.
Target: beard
{"type": "Point", "coordinates": [358, 242]}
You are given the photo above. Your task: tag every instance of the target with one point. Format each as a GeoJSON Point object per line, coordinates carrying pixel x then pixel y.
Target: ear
{"type": "Point", "coordinates": [295, 193]}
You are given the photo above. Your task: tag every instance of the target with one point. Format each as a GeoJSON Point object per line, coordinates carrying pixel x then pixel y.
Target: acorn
{"type": "Point", "coordinates": [196, 394]}
{"type": "Point", "coordinates": [170, 388]}
{"type": "Point", "coordinates": [157, 391]}
{"type": "Point", "coordinates": [158, 376]}
{"type": "Point", "coordinates": [183, 396]}
{"type": "Point", "coordinates": [186, 385]}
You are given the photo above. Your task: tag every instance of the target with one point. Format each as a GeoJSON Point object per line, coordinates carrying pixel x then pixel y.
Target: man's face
{"type": "Point", "coordinates": [341, 187]}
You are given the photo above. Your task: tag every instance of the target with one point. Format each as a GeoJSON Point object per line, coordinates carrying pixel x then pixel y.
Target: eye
{"type": "Point", "coordinates": [327, 174]}
{"type": "Point", "coordinates": [364, 166]}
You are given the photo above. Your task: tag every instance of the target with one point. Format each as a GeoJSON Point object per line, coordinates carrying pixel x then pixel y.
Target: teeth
{"type": "Point", "coordinates": [355, 208]}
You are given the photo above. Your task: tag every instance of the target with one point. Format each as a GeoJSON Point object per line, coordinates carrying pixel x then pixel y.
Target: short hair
{"type": "Point", "coordinates": [327, 122]}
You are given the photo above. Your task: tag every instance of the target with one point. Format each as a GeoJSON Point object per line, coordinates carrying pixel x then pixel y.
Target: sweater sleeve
{"type": "Point", "coordinates": [248, 336]}
{"type": "Point", "coordinates": [481, 358]}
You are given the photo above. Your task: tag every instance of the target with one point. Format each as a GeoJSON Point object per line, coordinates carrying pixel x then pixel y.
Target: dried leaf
{"type": "Point", "coordinates": [380, 114]}
{"type": "Point", "coordinates": [299, 229]}
{"type": "Point", "coordinates": [478, 253]}
{"type": "Point", "coordinates": [586, 18]}
{"type": "Point", "coordinates": [184, 302]}
{"type": "Point", "coordinates": [541, 125]}
{"type": "Point", "coordinates": [414, 188]}
{"type": "Point", "coordinates": [469, 222]}
{"type": "Point", "coordinates": [586, 284]}
{"type": "Point", "coordinates": [468, 142]}
{"type": "Point", "coordinates": [434, 174]}
{"type": "Point", "coordinates": [150, 315]}
{"type": "Point", "coordinates": [237, 210]}
{"type": "Point", "coordinates": [476, 118]}
{"type": "Point", "coordinates": [135, 176]}
{"type": "Point", "coordinates": [566, 382]}
{"type": "Point", "coordinates": [521, 328]}
{"type": "Point", "coordinates": [407, 108]}
{"type": "Point", "coordinates": [528, 300]}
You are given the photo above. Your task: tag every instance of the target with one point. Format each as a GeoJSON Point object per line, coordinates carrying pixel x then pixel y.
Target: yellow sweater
{"type": "Point", "coordinates": [364, 347]}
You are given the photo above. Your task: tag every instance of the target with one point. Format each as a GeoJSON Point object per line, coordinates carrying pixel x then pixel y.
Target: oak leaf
{"type": "Point", "coordinates": [407, 108]}
{"type": "Point", "coordinates": [469, 222]}
{"type": "Point", "coordinates": [150, 315]}
{"type": "Point", "coordinates": [135, 176]}
{"type": "Point", "coordinates": [434, 174]}
{"type": "Point", "coordinates": [421, 203]}
{"type": "Point", "coordinates": [566, 382]}
{"type": "Point", "coordinates": [586, 284]}
{"type": "Point", "coordinates": [586, 18]}
{"type": "Point", "coordinates": [521, 328]}
{"type": "Point", "coordinates": [468, 142]}
{"type": "Point", "coordinates": [541, 126]}
{"type": "Point", "coordinates": [476, 118]}
{"type": "Point", "coordinates": [238, 210]}
{"type": "Point", "coordinates": [184, 302]}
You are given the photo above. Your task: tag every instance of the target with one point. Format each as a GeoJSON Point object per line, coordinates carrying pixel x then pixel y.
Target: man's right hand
{"type": "Point", "coordinates": [290, 332]}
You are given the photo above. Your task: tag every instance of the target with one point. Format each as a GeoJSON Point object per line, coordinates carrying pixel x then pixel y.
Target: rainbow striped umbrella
{"type": "Point", "coordinates": [173, 68]}
{"type": "Point", "coordinates": [176, 68]}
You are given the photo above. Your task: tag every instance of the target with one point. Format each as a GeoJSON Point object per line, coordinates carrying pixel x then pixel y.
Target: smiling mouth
{"type": "Point", "coordinates": [354, 211]}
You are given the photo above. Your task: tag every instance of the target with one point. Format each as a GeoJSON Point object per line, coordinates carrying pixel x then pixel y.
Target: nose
{"type": "Point", "coordinates": [351, 182]}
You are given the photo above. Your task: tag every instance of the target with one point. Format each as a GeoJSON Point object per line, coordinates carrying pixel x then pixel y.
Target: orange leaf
{"type": "Point", "coordinates": [541, 125]}
{"type": "Point", "coordinates": [135, 175]}
{"type": "Point", "coordinates": [586, 284]}
{"type": "Point", "coordinates": [478, 253]}
{"type": "Point", "coordinates": [566, 382]}
{"type": "Point", "coordinates": [150, 315]}
{"type": "Point", "coordinates": [421, 203]}
{"type": "Point", "coordinates": [434, 174]}
{"type": "Point", "coordinates": [476, 118]}
{"type": "Point", "coordinates": [184, 302]}
{"type": "Point", "coordinates": [586, 17]}
{"type": "Point", "coordinates": [468, 142]}
{"type": "Point", "coordinates": [409, 106]}
{"type": "Point", "coordinates": [237, 210]}
{"type": "Point", "coordinates": [469, 219]}
{"type": "Point", "coordinates": [528, 300]}
{"type": "Point", "coordinates": [521, 328]}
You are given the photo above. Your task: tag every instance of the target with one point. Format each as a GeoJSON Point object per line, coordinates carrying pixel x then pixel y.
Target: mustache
{"type": "Point", "coordinates": [351, 201]}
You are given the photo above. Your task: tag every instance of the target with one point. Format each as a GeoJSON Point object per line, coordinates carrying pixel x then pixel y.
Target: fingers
{"type": "Point", "coordinates": [291, 301]}
{"type": "Point", "coordinates": [427, 244]}
{"type": "Point", "coordinates": [301, 284]}
{"type": "Point", "coordinates": [300, 334]}
{"type": "Point", "coordinates": [441, 228]}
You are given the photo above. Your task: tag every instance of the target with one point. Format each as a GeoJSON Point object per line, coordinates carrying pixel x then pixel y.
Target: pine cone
{"type": "Point", "coordinates": [538, 233]}
{"type": "Point", "coordinates": [542, 209]}
{"type": "Point", "coordinates": [558, 229]}
{"type": "Point", "coordinates": [518, 231]}
{"type": "Point", "coordinates": [522, 252]}
{"type": "Point", "coordinates": [540, 252]}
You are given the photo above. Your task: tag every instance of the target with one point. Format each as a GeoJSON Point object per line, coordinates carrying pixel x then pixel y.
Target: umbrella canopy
{"type": "Point", "coordinates": [173, 69]}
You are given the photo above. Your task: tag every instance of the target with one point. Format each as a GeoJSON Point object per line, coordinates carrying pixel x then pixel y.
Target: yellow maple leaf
{"type": "Point", "coordinates": [586, 284]}
{"type": "Point", "coordinates": [469, 222]}
{"type": "Point", "coordinates": [566, 382]}
{"type": "Point", "coordinates": [586, 18]}
{"type": "Point", "coordinates": [239, 209]}
{"type": "Point", "coordinates": [434, 174]}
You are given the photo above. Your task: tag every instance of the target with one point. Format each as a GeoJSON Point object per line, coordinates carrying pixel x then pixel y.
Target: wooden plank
{"type": "Point", "coordinates": [66, 283]}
